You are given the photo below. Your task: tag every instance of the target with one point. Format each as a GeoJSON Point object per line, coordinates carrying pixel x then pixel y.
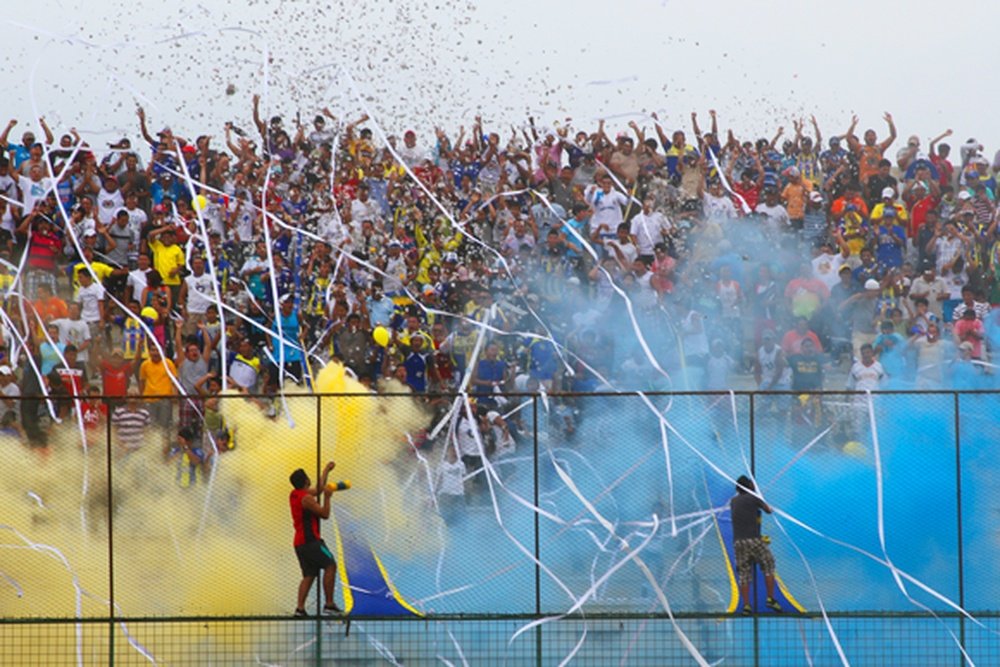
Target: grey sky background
{"type": "Point", "coordinates": [86, 63]}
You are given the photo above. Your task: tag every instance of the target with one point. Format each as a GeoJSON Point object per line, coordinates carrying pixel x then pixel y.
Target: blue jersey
{"type": "Point", "coordinates": [490, 370]}
{"type": "Point", "coordinates": [290, 334]}
{"type": "Point", "coordinates": [542, 360]}
{"type": "Point", "coordinates": [416, 370]}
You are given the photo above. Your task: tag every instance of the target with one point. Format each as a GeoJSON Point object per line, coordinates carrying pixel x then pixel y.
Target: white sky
{"type": "Point", "coordinates": [84, 63]}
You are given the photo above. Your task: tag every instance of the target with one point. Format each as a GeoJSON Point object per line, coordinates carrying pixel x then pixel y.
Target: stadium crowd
{"type": "Point", "coordinates": [196, 266]}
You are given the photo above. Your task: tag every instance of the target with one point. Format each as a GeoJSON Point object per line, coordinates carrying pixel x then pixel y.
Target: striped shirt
{"type": "Point", "coordinates": [131, 426]}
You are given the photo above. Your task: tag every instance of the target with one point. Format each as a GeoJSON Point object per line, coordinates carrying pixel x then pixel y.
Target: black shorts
{"type": "Point", "coordinates": [313, 557]}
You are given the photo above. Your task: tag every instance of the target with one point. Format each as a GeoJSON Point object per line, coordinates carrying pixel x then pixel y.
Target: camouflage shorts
{"type": "Point", "coordinates": [751, 551]}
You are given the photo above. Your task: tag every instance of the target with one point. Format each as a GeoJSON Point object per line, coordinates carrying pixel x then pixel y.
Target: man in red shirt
{"type": "Point", "coordinates": [44, 246]}
{"type": "Point", "coordinates": [115, 373]}
{"type": "Point", "coordinates": [311, 550]}
{"type": "Point", "coordinates": [922, 202]}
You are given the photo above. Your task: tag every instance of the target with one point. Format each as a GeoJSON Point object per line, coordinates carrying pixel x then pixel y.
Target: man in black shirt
{"type": "Point", "coordinates": [750, 547]}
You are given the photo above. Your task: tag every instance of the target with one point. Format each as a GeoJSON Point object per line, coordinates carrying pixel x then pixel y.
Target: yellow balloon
{"type": "Point", "coordinates": [381, 336]}
{"type": "Point", "coordinates": [200, 202]}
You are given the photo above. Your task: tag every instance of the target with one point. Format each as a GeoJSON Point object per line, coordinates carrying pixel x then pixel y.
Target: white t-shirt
{"type": "Point", "coordinates": [137, 217]}
{"type": "Point", "coordinates": [648, 231]}
{"type": "Point", "coordinates": [107, 204]}
{"type": "Point", "coordinates": [865, 378]}
{"type": "Point", "coordinates": [364, 210]}
{"type": "Point", "coordinates": [719, 207]}
{"type": "Point", "coordinates": [695, 339]}
{"type": "Point", "coordinates": [8, 187]}
{"type": "Point", "coordinates": [32, 192]}
{"type": "Point", "coordinates": [200, 293]}
{"type": "Point", "coordinates": [826, 267]}
{"type": "Point", "coordinates": [7, 221]}
{"type": "Point", "coordinates": [411, 156]}
{"type": "Point", "coordinates": [89, 298]}
{"type": "Point", "coordinates": [717, 370]}
{"type": "Point", "coordinates": [777, 216]}
{"type": "Point", "coordinates": [930, 291]}
{"type": "Point", "coordinates": [451, 478]}
{"type": "Point", "coordinates": [628, 250]}
{"type": "Point", "coordinates": [467, 437]}
{"type": "Point", "coordinates": [607, 208]}
{"type": "Point", "coordinates": [73, 332]}
{"type": "Point", "coordinates": [645, 296]}
{"type": "Point", "coordinates": [137, 281]}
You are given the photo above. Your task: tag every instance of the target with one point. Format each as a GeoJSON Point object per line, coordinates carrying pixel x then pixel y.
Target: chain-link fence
{"type": "Point", "coordinates": [515, 529]}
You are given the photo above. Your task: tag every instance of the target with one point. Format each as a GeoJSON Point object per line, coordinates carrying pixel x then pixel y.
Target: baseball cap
{"type": "Point", "coordinates": [965, 346]}
{"type": "Point", "coordinates": [816, 196]}
{"type": "Point", "coordinates": [888, 192]}
{"type": "Point", "coordinates": [871, 283]}
{"type": "Point", "coordinates": [965, 194]}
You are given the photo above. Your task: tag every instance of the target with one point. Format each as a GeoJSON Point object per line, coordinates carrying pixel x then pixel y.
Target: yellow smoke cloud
{"type": "Point", "coordinates": [223, 548]}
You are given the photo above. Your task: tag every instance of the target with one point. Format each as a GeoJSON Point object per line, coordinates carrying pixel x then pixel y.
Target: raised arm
{"type": "Point", "coordinates": [819, 136]}
{"type": "Point", "coordinates": [852, 139]}
{"type": "Point", "coordinates": [6, 132]}
{"type": "Point", "coordinates": [257, 121]}
{"type": "Point", "coordinates": [935, 140]}
{"type": "Point", "coordinates": [664, 141]}
{"type": "Point", "coordinates": [777, 135]}
{"type": "Point", "coordinates": [694, 126]}
{"type": "Point", "coordinates": [49, 138]}
{"type": "Point", "coordinates": [640, 136]}
{"type": "Point", "coordinates": [141, 113]}
{"type": "Point", "coordinates": [892, 132]}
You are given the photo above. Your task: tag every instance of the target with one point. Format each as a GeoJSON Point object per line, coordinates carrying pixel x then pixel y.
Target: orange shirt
{"type": "Point", "coordinates": [868, 157]}
{"type": "Point", "coordinates": [50, 309]}
{"type": "Point", "coordinates": [795, 195]}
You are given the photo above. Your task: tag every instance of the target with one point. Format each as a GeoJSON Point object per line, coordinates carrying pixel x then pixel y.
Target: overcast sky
{"type": "Point", "coordinates": [86, 63]}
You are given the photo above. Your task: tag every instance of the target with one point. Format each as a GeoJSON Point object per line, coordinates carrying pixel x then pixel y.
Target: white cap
{"type": "Point", "coordinates": [6, 370]}
{"type": "Point", "coordinates": [965, 194]}
{"type": "Point", "coordinates": [888, 192]}
{"type": "Point", "coordinates": [871, 283]}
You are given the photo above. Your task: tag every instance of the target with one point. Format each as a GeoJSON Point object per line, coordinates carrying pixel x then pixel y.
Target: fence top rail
{"type": "Point", "coordinates": [495, 617]}
{"type": "Point", "coordinates": [520, 394]}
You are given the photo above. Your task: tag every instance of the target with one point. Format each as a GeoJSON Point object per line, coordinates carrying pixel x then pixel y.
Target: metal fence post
{"type": "Point", "coordinates": [538, 570]}
{"type": "Point", "coordinates": [956, 398]}
{"type": "Point", "coordinates": [111, 543]}
{"type": "Point", "coordinates": [319, 580]}
{"type": "Point", "coordinates": [753, 472]}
